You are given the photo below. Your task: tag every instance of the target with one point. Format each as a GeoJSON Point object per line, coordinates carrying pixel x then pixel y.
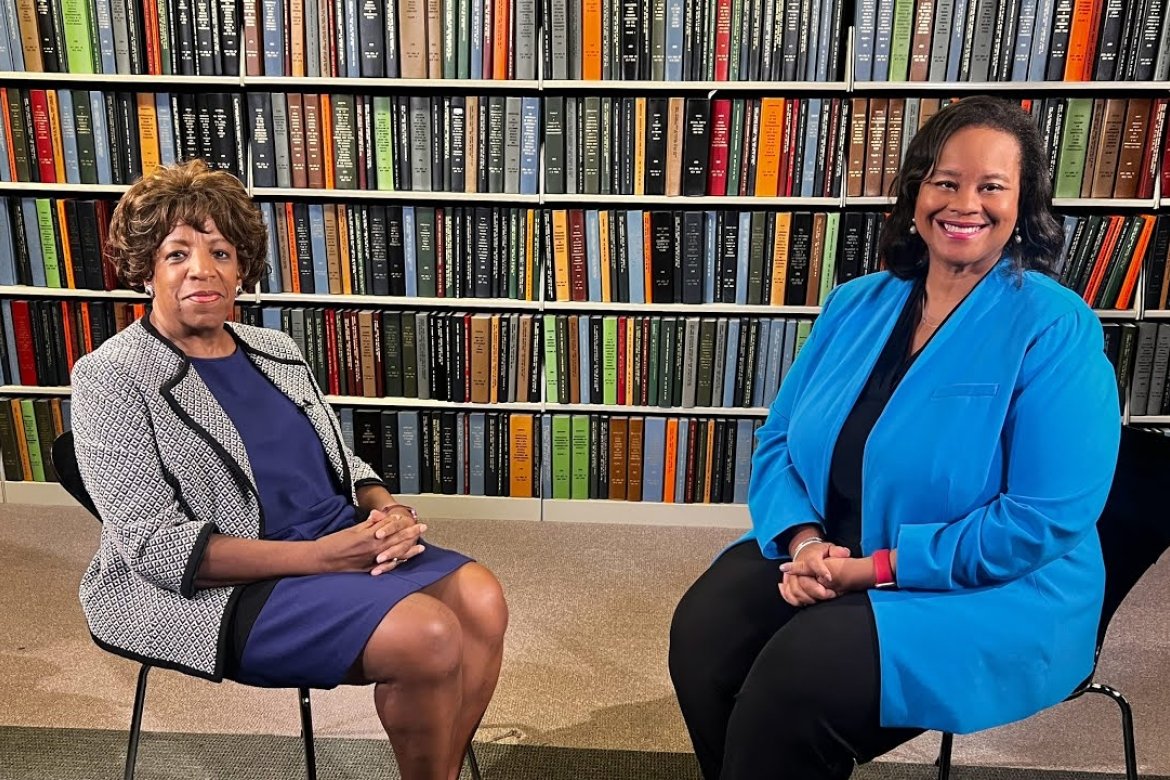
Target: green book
{"type": "Point", "coordinates": [1074, 142]}
{"type": "Point", "coordinates": [78, 46]}
{"type": "Point", "coordinates": [384, 141]}
{"type": "Point", "coordinates": [164, 35]}
{"type": "Point", "coordinates": [609, 352]}
{"type": "Point", "coordinates": [463, 55]}
{"type": "Point", "coordinates": [29, 419]}
{"type": "Point", "coordinates": [735, 148]}
{"type": "Point", "coordinates": [802, 330]}
{"type": "Point", "coordinates": [561, 456]}
{"type": "Point", "coordinates": [829, 256]}
{"type": "Point", "coordinates": [736, 39]}
{"type": "Point", "coordinates": [48, 242]}
{"type": "Point", "coordinates": [9, 450]}
{"type": "Point", "coordinates": [580, 457]}
{"type": "Point", "coordinates": [654, 367]}
{"type": "Point", "coordinates": [901, 31]}
{"type": "Point", "coordinates": [550, 358]}
{"type": "Point", "coordinates": [450, 39]}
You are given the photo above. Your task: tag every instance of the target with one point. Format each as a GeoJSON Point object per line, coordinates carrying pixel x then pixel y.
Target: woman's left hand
{"type": "Point", "coordinates": [845, 574]}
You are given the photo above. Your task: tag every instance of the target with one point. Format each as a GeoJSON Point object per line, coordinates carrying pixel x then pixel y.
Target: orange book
{"type": "Point", "coordinates": [8, 133]}
{"type": "Point", "coordinates": [501, 40]}
{"type": "Point", "coordinates": [1135, 266]}
{"type": "Point", "coordinates": [55, 133]}
{"type": "Point", "coordinates": [1101, 263]}
{"type": "Point", "coordinates": [591, 40]}
{"type": "Point", "coordinates": [640, 146]}
{"type": "Point", "coordinates": [295, 286]}
{"type": "Point", "coordinates": [670, 457]}
{"type": "Point", "coordinates": [560, 241]}
{"type": "Point", "coordinates": [139, 310]}
{"type": "Point", "coordinates": [58, 417]}
{"type": "Point", "coordinates": [520, 456]}
{"type": "Point", "coordinates": [65, 261]}
{"type": "Point", "coordinates": [148, 133]}
{"type": "Point", "coordinates": [780, 258]}
{"type": "Point", "coordinates": [70, 339]}
{"type": "Point", "coordinates": [771, 135]}
{"type": "Point", "coordinates": [327, 158]}
{"type": "Point", "coordinates": [647, 248]}
{"type": "Point", "coordinates": [87, 334]}
{"type": "Point", "coordinates": [1080, 36]}
{"type": "Point", "coordinates": [21, 440]}
{"type": "Point", "coordinates": [343, 242]}
{"type": "Point", "coordinates": [709, 465]}
{"type": "Point", "coordinates": [530, 250]}
{"type": "Point", "coordinates": [603, 231]}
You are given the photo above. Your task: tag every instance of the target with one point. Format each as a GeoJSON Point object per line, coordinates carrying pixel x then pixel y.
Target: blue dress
{"type": "Point", "coordinates": [308, 630]}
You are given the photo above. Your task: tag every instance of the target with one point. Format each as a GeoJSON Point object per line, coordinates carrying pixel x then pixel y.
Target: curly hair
{"type": "Point", "coordinates": [1041, 236]}
{"type": "Point", "coordinates": [187, 193]}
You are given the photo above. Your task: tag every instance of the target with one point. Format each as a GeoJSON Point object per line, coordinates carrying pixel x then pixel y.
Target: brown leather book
{"type": "Point", "coordinates": [618, 430]}
{"type": "Point", "coordinates": [1133, 142]}
{"type": "Point", "coordinates": [1107, 148]}
{"type": "Point", "coordinates": [875, 149]}
{"type": "Point", "coordinates": [634, 458]}
{"type": "Point", "coordinates": [298, 161]}
{"type": "Point", "coordinates": [813, 294]}
{"type": "Point", "coordinates": [894, 118]}
{"type": "Point", "coordinates": [920, 42]}
{"type": "Point", "coordinates": [855, 172]}
{"type": "Point", "coordinates": [365, 324]}
{"type": "Point", "coordinates": [314, 147]}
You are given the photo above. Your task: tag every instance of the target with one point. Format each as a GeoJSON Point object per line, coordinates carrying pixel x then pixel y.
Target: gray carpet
{"type": "Point", "coordinates": [70, 754]}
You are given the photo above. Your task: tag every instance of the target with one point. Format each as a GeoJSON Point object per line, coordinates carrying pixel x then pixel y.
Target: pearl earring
{"type": "Point", "coordinates": [913, 228]}
{"type": "Point", "coordinates": [1019, 239]}
{"type": "Point", "coordinates": [239, 289]}
{"type": "Point", "coordinates": [149, 289]}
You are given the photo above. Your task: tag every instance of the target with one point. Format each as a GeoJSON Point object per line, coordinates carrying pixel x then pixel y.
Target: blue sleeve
{"type": "Point", "coordinates": [1060, 443]}
{"type": "Point", "coordinates": [777, 496]}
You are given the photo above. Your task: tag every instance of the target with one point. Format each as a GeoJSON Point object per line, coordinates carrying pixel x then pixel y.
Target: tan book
{"type": "Point", "coordinates": [675, 130]}
{"type": "Point", "coordinates": [709, 465]}
{"type": "Point", "coordinates": [855, 172]}
{"type": "Point", "coordinates": [412, 39]}
{"type": "Point", "coordinates": [21, 438]}
{"type": "Point", "coordinates": [523, 358]}
{"type": "Point", "coordinates": [618, 427]}
{"type": "Point", "coordinates": [927, 107]}
{"type": "Point", "coordinates": [481, 355]}
{"type": "Point", "coordinates": [30, 40]}
{"type": "Point", "coordinates": [574, 359]}
{"type": "Point", "coordinates": [813, 294]}
{"type": "Point", "coordinates": [894, 118]}
{"type": "Point", "coordinates": [298, 161]}
{"type": "Point", "coordinates": [875, 152]}
{"type": "Point", "coordinates": [634, 446]}
{"type": "Point", "coordinates": [782, 232]}
{"type": "Point", "coordinates": [471, 144]}
{"type": "Point", "coordinates": [435, 40]}
{"type": "Point", "coordinates": [365, 322]}
{"type": "Point", "coordinates": [333, 251]}
{"type": "Point", "coordinates": [343, 231]}
{"type": "Point", "coordinates": [640, 146]}
{"type": "Point", "coordinates": [1133, 142]}
{"type": "Point", "coordinates": [560, 241]}
{"type": "Point", "coordinates": [1107, 148]}
{"type": "Point", "coordinates": [1088, 175]}
{"type": "Point", "coordinates": [55, 134]}
{"type": "Point", "coordinates": [603, 233]}
{"type": "Point", "coordinates": [314, 151]}
{"type": "Point", "coordinates": [770, 152]}
{"type": "Point", "coordinates": [296, 36]}
{"type": "Point", "coordinates": [148, 134]}
{"type": "Point", "coordinates": [520, 446]}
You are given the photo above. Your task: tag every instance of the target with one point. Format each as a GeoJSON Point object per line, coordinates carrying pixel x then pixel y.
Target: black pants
{"type": "Point", "coordinates": [768, 690]}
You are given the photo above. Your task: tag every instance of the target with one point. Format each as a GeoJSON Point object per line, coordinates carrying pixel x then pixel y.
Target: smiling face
{"type": "Point", "coordinates": [968, 204]}
{"type": "Point", "coordinates": [194, 280]}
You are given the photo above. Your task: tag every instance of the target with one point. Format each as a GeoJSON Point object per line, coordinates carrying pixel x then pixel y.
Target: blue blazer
{"type": "Point", "coordinates": [986, 471]}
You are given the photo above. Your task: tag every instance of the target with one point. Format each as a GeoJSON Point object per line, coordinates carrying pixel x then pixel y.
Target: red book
{"type": "Point", "coordinates": [720, 137]}
{"type": "Point", "coordinates": [43, 136]}
{"type": "Point", "coordinates": [577, 285]}
{"type": "Point", "coordinates": [151, 39]}
{"type": "Point", "coordinates": [1150, 155]}
{"type": "Point", "coordinates": [793, 138]}
{"type": "Point", "coordinates": [26, 359]}
{"type": "Point", "coordinates": [622, 325]}
{"type": "Point", "coordinates": [722, 39]}
{"type": "Point", "coordinates": [1166, 162]}
{"type": "Point", "coordinates": [331, 371]}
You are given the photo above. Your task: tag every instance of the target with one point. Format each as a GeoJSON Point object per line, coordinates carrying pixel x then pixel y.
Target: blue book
{"type": "Point", "coordinates": [775, 362]}
{"type": "Point", "coordinates": [729, 360]}
{"type": "Point", "coordinates": [270, 317]}
{"type": "Point", "coordinates": [10, 340]}
{"type": "Point", "coordinates": [882, 40]}
{"type": "Point", "coordinates": [741, 260]}
{"type": "Point", "coordinates": [353, 63]}
{"type": "Point", "coordinates": [6, 39]}
{"type": "Point", "coordinates": [955, 53]}
{"type": "Point", "coordinates": [653, 452]}
{"type": "Point", "coordinates": [1041, 35]}
{"type": "Point", "coordinates": [765, 335]}
{"type": "Point", "coordinates": [674, 39]}
{"type": "Point", "coordinates": [1069, 225]}
{"type": "Point", "coordinates": [460, 452]}
{"type": "Point", "coordinates": [808, 177]}
{"type": "Point", "coordinates": [744, 433]}
{"type": "Point", "coordinates": [345, 415]}
{"type": "Point", "coordinates": [592, 255]}
{"type": "Point", "coordinates": [477, 39]}
{"type": "Point", "coordinates": [101, 138]}
{"type": "Point", "coordinates": [866, 22]}
{"type": "Point", "coordinates": [820, 23]}
{"type": "Point", "coordinates": [5, 171]}
{"type": "Point", "coordinates": [409, 479]}
{"type": "Point", "coordinates": [409, 252]}
{"type": "Point", "coordinates": [712, 251]}
{"type": "Point", "coordinates": [789, 348]}
{"type": "Point", "coordinates": [546, 456]}
{"type": "Point", "coordinates": [67, 414]}
{"type": "Point", "coordinates": [635, 253]}
{"type": "Point", "coordinates": [15, 53]}
{"type": "Point", "coordinates": [69, 136]}
{"type": "Point", "coordinates": [478, 434]}
{"type": "Point", "coordinates": [1025, 30]}
{"type": "Point", "coordinates": [103, 20]}
{"type": "Point", "coordinates": [272, 33]}
{"type": "Point", "coordinates": [583, 358]}
{"type": "Point", "coordinates": [275, 283]}
{"type": "Point", "coordinates": [166, 128]}
{"type": "Point", "coordinates": [7, 250]}
{"type": "Point", "coordinates": [32, 240]}
{"type": "Point", "coordinates": [530, 146]}
{"type": "Point", "coordinates": [317, 248]}
{"type": "Point", "coordinates": [680, 466]}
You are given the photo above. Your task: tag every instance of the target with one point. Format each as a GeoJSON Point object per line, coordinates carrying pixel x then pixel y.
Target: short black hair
{"type": "Point", "coordinates": [905, 253]}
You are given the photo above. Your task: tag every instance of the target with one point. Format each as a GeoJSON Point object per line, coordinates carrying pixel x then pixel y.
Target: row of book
{"type": "Point", "coordinates": [423, 143]}
{"type": "Point", "coordinates": [68, 136]}
{"type": "Point", "coordinates": [426, 251]}
{"type": "Point", "coordinates": [1103, 256]}
{"type": "Point", "coordinates": [55, 243]}
{"type": "Point", "coordinates": [670, 362]}
{"type": "Point", "coordinates": [28, 428]}
{"type": "Point", "coordinates": [693, 40]}
{"type": "Point", "coordinates": [1097, 147]}
{"type": "Point", "coordinates": [40, 340]}
{"type": "Point", "coordinates": [1011, 40]}
{"type": "Point", "coordinates": [694, 146]}
{"type": "Point", "coordinates": [1150, 391]}
{"type": "Point", "coordinates": [1157, 276]}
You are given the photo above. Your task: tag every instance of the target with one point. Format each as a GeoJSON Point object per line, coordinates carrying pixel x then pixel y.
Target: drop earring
{"type": "Point", "coordinates": [1018, 238]}
{"type": "Point", "coordinates": [913, 228]}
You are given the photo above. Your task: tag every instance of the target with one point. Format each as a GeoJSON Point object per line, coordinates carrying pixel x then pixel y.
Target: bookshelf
{"type": "Point", "coordinates": [572, 195]}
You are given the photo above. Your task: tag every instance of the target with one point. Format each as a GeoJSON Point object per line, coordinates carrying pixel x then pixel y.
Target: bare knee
{"type": "Point", "coordinates": [477, 599]}
{"type": "Point", "coordinates": [419, 641]}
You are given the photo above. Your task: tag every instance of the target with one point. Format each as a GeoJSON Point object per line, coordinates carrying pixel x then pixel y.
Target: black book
{"type": "Point", "coordinates": [596, 360]}
{"type": "Point", "coordinates": [426, 449]}
{"type": "Point", "coordinates": [395, 253]}
{"type": "Point", "coordinates": [535, 364]}
{"type": "Point", "coordinates": [1059, 40]}
{"type": "Point", "coordinates": [554, 144]}
{"type": "Point", "coordinates": [91, 250]}
{"type": "Point", "coordinates": [595, 425]}
{"type": "Point", "coordinates": [698, 474]}
{"type": "Point", "coordinates": [631, 46]}
{"type": "Point", "coordinates": [696, 145]}
{"type": "Point", "coordinates": [466, 249]}
{"type": "Point", "coordinates": [186, 117]}
{"type": "Point", "coordinates": [503, 471]}
{"type": "Point", "coordinates": [262, 142]}
{"type": "Point", "coordinates": [561, 338]}
{"type": "Point", "coordinates": [850, 260]}
{"type": "Point", "coordinates": [694, 247]}
{"type": "Point", "coordinates": [302, 247]}
{"type": "Point", "coordinates": [51, 53]}
{"type": "Point", "coordinates": [401, 133]}
{"type": "Point", "coordinates": [728, 248]}
{"type": "Point", "coordinates": [656, 117]}
{"type": "Point", "coordinates": [223, 135]}
{"type": "Point", "coordinates": [127, 124]}
{"type": "Point", "coordinates": [379, 250]}
{"type": "Point", "coordinates": [86, 149]}
{"type": "Point", "coordinates": [367, 437]}
{"type": "Point", "coordinates": [447, 423]}
{"type": "Point", "coordinates": [545, 247]}
{"type": "Point", "coordinates": [676, 255]}
{"type": "Point", "coordinates": [603, 459]}
{"type": "Point", "coordinates": [43, 417]}
{"type": "Point", "coordinates": [620, 288]}
{"type": "Point", "coordinates": [438, 147]}
{"type": "Point", "coordinates": [751, 335]}
{"type": "Point", "coordinates": [20, 240]}
{"type": "Point", "coordinates": [409, 355]}
{"type": "Point", "coordinates": [482, 258]}
{"type": "Point", "coordinates": [1146, 40]}
{"type": "Point", "coordinates": [390, 469]}
{"type": "Point", "coordinates": [730, 441]}
{"type": "Point", "coordinates": [40, 332]}
{"type": "Point", "coordinates": [499, 279]}
{"type": "Point", "coordinates": [392, 353]}
{"type": "Point", "coordinates": [741, 364]}
{"type": "Point", "coordinates": [680, 357]}
{"type": "Point", "coordinates": [665, 367]}
{"type": "Point", "coordinates": [491, 461]}
{"type": "Point", "coordinates": [662, 256]}
{"type": "Point", "coordinates": [99, 322]}
{"type": "Point", "coordinates": [481, 184]}
{"type": "Point", "coordinates": [457, 152]}
{"type": "Point", "coordinates": [799, 257]}
{"type": "Point", "coordinates": [76, 256]}
{"type": "Point", "coordinates": [19, 138]}
{"type": "Point", "coordinates": [718, 458]}
{"type": "Point", "coordinates": [30, 131]}
{"type": "Point", "coordinates": [1156, 267]}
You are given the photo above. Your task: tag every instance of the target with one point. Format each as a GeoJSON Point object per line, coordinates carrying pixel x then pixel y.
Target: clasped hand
{"type": "Point", "coordinates": [384, 540]}
{"type": "Point", "coordinates": [821, 572]}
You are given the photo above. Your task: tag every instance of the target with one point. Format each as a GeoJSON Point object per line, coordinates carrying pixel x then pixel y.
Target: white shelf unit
{"type": "Point", "coordinates": [1156, 314]}
{"type": "Point", "coordinates": [395, 195]}
{"type": "Point", "coordinates": [612, 85]}
{"type": "Point", "coordinates": [1117, 203]}
{"type": "Point", "coordinates": [691, 309]}
{"type": "Point", "coordinates": [297, 83]}
{"type": "Point", "coordinates": [406, 302]}
{"type": "Point", "coordinates": [22, 187]}
{"type": "Point", "coordinates": [231, 82]}
{"type": "Point", "coordinates": [1150, 419]}
{"type": "Point", "coordinates": [57, 390]}
{"type": "Point", "coordinates": [28, 291]}
{"type": "Point", "coordinates": [429, 403]}
{"type": "Point", "coordinates": [637, 411]}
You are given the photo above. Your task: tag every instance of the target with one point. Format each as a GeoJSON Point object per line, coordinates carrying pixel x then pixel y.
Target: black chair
{"type": "Point", "coordinates": [1133, 535]}
{"type": "Point", "coordinates": [65, 462]}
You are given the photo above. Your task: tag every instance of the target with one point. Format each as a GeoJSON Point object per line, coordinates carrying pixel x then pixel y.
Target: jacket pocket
{"type": "Point", "coordinates": [966, 389]}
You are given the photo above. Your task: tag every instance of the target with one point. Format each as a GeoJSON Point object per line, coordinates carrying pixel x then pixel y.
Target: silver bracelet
{"type": "Point", "coordinates": [806, 543]}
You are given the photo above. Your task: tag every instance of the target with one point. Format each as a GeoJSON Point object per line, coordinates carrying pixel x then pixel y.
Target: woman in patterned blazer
{"type": "Point", "coordinates": [241, 538]}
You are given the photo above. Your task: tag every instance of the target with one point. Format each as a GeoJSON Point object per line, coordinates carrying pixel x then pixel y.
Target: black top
{"type": "Point", "coordinates": [843, 509]}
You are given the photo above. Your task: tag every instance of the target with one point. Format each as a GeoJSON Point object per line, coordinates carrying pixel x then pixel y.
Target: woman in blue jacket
{"type": "Point", "coordinates": [931, 474]}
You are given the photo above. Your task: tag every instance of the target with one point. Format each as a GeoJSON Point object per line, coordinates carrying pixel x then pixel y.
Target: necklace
{"type": "Point", "coordinates": [927, 321]}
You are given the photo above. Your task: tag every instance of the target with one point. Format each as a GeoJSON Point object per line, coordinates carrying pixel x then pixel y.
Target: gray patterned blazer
{"type": "Point", "coordinates": [166, 468]}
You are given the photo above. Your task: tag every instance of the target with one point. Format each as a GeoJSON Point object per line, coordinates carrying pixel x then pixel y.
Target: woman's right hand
{"type": "Point", "coordinates": [801, 590]}
{"type": "Point", "coordinates": [377, 544]}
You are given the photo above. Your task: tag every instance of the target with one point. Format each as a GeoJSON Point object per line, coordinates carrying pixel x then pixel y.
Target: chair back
{"type": "Point", "coordinates": [1133, 527]}
{"type": "Point", "coordinates": [65, 462]}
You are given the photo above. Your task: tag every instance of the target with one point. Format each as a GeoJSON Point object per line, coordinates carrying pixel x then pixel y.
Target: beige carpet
{"type": "Point", "coordinates": [585, 663]}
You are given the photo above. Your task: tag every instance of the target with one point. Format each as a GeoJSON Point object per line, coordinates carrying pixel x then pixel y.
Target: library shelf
{"type": "Point", "coordinates": [641, 86]}
{"type": "Point", "coordinates": [656, 411]}
{"type": "Point", "coordinates": [32, 291]}
{"type": "Point", "coordinates": [404, 301]}
{"type": "Point", "coordinates": [430, 403]}
{"type": "Point", "coordinates": [26, 187]}
{"type": "Point", "coordinates": [693, 309]}
{"type": "Point", "coordinates": [688, 201]}
{"type": "Point", "coordinates": [953, 87]}
{"type": "Point", "coordinates": [103, 79]}
{"type": "Point", "coordinates": [395, 195]}
{"type": "Point", "coordinates": [299, 83]}
{"type": "Point", "coordinates": [562, 510]}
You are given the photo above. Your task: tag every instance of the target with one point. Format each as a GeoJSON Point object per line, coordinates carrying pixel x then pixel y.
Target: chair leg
{"type": "Point", "coordinates": [136, 722]}
{"type": "Point", "coordinates": [307, 733]}
{"type": "Point", "coordinates": [944, 756]}
{"type": "Point", "coordinates": [1131, 772]}
{"type": "Point", "coordinates": [473, 764]}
